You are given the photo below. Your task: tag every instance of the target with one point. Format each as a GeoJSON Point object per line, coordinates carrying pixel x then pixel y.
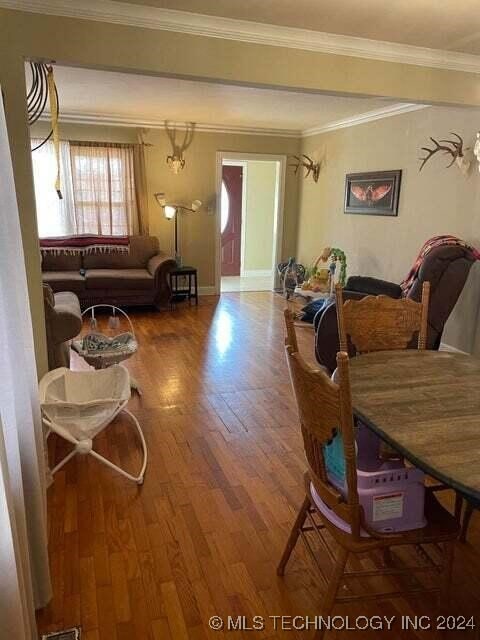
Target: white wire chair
{"type": "Point", "coordinates": [78, 405]}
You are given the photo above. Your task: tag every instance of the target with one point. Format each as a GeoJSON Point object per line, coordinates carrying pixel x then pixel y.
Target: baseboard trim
{"type": "Point", "coordinates": [256, 273]}
{"type": "Point", "coordinates": [207, 291]}
{"type": "Point", "coordinates": [448, 347]}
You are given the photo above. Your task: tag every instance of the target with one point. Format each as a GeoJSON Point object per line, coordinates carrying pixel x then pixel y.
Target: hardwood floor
{"type": "Point", "coordinates": [203, 535]}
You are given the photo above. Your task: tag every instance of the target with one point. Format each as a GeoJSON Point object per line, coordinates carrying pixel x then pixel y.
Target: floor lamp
{"type": "Point", "coordinates": [171, 211]}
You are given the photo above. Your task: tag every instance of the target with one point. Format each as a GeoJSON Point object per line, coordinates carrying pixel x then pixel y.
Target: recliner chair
{"type": "Point", "coordinates": [446, 268]}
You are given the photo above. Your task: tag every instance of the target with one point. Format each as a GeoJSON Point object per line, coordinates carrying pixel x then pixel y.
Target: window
{"type": "Point", "coordinates": [224, 207]}
{"type": "Point", "coordinates": [98, 188]}
{"type": "Point", "coordinates": [104, 188]}
{"type": "Point", "coordinates": [55, 217]}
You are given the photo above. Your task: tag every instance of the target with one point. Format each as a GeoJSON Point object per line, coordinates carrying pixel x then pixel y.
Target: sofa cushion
{"type": "Point", "coordinates": [142, 248]}
{"type": "Point", "coordinates": [119, 279]}
{"type": "Point", "coordinates": [61, 262]}
{"type": "Point", "coordinates": [64, 280]}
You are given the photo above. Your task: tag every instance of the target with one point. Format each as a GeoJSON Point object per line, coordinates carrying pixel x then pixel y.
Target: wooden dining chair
{"type": "Point", "coordinates": [381, 323]}
{"type": "Point", "coordinates": [325, 408]}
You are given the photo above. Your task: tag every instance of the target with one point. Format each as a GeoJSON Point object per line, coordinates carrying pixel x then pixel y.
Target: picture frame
{"type": "Point", "coordinates": [374, 193]}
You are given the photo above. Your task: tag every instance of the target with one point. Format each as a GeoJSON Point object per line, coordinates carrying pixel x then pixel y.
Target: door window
{"type": "Point", "coordinates": [224, 207]}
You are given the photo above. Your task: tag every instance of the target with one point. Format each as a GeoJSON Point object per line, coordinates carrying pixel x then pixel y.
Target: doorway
{"type": "Point", "coordinates": [250, 210]}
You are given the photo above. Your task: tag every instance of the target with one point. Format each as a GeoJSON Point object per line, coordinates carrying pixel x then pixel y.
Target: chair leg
{"type": "Point", "coordinates": [448, 553]}
{"type": "Point", "coordinates": [458, 506]}
{"type": "Point", "coordinates": [466, 521]}
{"type": "Point", "coordinates": [387, 557]}
{"type": "Point", "coordinates": [292, 540]}
{"type": "Point", "coordinates": [333, 584]}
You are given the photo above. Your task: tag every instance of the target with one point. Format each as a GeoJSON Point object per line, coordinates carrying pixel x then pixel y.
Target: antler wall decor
{"type": "Point", "coordinates": [310, 166]}
{"type": "Point", "coordinates": [175, 160]}
{"type": "Point", "coordinates": [453, 148]}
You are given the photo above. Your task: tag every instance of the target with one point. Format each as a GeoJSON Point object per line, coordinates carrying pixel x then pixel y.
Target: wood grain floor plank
{"type": "Point", "coordinates": [203, 535]}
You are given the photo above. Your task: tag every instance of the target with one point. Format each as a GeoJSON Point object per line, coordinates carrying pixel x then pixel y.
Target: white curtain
{"type": "Point", "coordinates": [24, 573]}
{"type": "Point", "coordinates": [55, 217]}
{"type": "Point", "coordinates": [104, 188]}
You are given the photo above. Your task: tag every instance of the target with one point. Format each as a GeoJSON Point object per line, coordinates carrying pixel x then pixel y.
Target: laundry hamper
{"type": "Point", "coordinates": [78, 405]}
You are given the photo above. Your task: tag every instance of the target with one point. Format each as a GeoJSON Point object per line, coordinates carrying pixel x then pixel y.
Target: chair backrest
{"type": "Point", "coordinates": [325, 408]}
{"type": "Point", "coordinates": [381, 323]}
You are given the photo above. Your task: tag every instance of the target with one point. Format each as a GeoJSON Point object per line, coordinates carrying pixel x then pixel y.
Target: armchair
{"type": "Point", "coordinates": [63, 321]}
{"type": "Point", "coordinates": [446, 267]}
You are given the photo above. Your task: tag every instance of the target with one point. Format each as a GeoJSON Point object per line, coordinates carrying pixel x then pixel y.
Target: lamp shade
{"type": "Point", "coordinates": [169, 211]}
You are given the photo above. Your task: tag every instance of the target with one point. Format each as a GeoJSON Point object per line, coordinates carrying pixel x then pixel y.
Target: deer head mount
{"type": "Point", "coordinates": [311, 167]}
{"type": "Point", "coordinates": [176, 160]}
{"type": "Point", "coordinates": [453, 148]}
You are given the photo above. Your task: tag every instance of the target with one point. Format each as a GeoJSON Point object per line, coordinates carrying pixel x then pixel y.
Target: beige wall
{"type": "Point", "coordinates": [260, 214]}
{"type": "Point", "coordinates": [117, 47]}
{"type": "Point", "coordinates": [435, 201]}
{"type": "Point", "coordinates": [196, 181]}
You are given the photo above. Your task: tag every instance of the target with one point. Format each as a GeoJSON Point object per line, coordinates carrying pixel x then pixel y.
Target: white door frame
{"type": "Point", "coordinates": [241, 158]}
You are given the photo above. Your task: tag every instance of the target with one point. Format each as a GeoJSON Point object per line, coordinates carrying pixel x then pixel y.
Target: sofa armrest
{"type": "Point", "coordinates": [158, 263]}
{"type": "Point", "coordinates": [64, 320]}
{"type": "Point", "coordinates": [65, 325]}
{"type": "Point", "coordinates": [373, 286]}
{"type": "Point", "coordinates": [159, 266]}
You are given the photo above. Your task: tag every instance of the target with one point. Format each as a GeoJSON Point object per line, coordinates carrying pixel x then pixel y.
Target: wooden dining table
{"type": "Point", "coordinates": [425, 404]}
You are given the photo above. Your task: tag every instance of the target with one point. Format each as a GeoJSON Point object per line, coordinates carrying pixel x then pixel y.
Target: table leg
{"type": "Point", "coordinates": [196, 287]}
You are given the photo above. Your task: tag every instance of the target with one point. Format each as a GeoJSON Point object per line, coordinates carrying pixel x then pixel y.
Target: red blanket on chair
{"type": "Point", "coordinates": [436, 241]}
{"type": "Point", "coordinates": [84, 244]}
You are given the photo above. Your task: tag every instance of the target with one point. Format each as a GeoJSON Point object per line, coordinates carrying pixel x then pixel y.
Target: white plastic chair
{"type": "Point", "coordinates": [77, 405]}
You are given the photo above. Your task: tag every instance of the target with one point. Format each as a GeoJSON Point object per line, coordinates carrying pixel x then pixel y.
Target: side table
{"type": "Point", "coordinates": [178, 287]}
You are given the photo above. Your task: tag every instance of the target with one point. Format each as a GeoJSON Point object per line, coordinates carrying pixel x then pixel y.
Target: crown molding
{"type": "Point", "coordinates": [246, 31]}
{"type": "Point", "coordinates": [73, 117]}
{"type": "Point", "coordinates": [363, 118]}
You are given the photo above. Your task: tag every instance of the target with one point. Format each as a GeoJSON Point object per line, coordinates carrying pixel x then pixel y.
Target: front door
{"type": "Point", "coordinates": [232, 177]}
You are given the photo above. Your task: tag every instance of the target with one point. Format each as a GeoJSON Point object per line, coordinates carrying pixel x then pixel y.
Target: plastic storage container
{"type": "Point", "coordinates": [391, 494]}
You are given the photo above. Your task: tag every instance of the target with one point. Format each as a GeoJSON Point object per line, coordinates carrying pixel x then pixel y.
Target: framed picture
{"type": "Point", "coordinates": [375, 193]}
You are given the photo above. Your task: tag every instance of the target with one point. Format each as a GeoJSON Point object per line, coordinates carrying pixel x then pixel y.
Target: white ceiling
{"type": "Point", "coordinates": [452, 25]}
{"type": "Point", "coordinates": [146, 100]}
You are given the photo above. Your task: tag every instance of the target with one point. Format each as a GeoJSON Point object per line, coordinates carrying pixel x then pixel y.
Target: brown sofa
{"type": "Point", "coordinates": [136, 278]}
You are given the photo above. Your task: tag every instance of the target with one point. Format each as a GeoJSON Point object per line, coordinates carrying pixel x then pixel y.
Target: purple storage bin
{"type": "Point", "coordinates": [391, 494]}
{"type": "Point", "coordinates": [393, 499]}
